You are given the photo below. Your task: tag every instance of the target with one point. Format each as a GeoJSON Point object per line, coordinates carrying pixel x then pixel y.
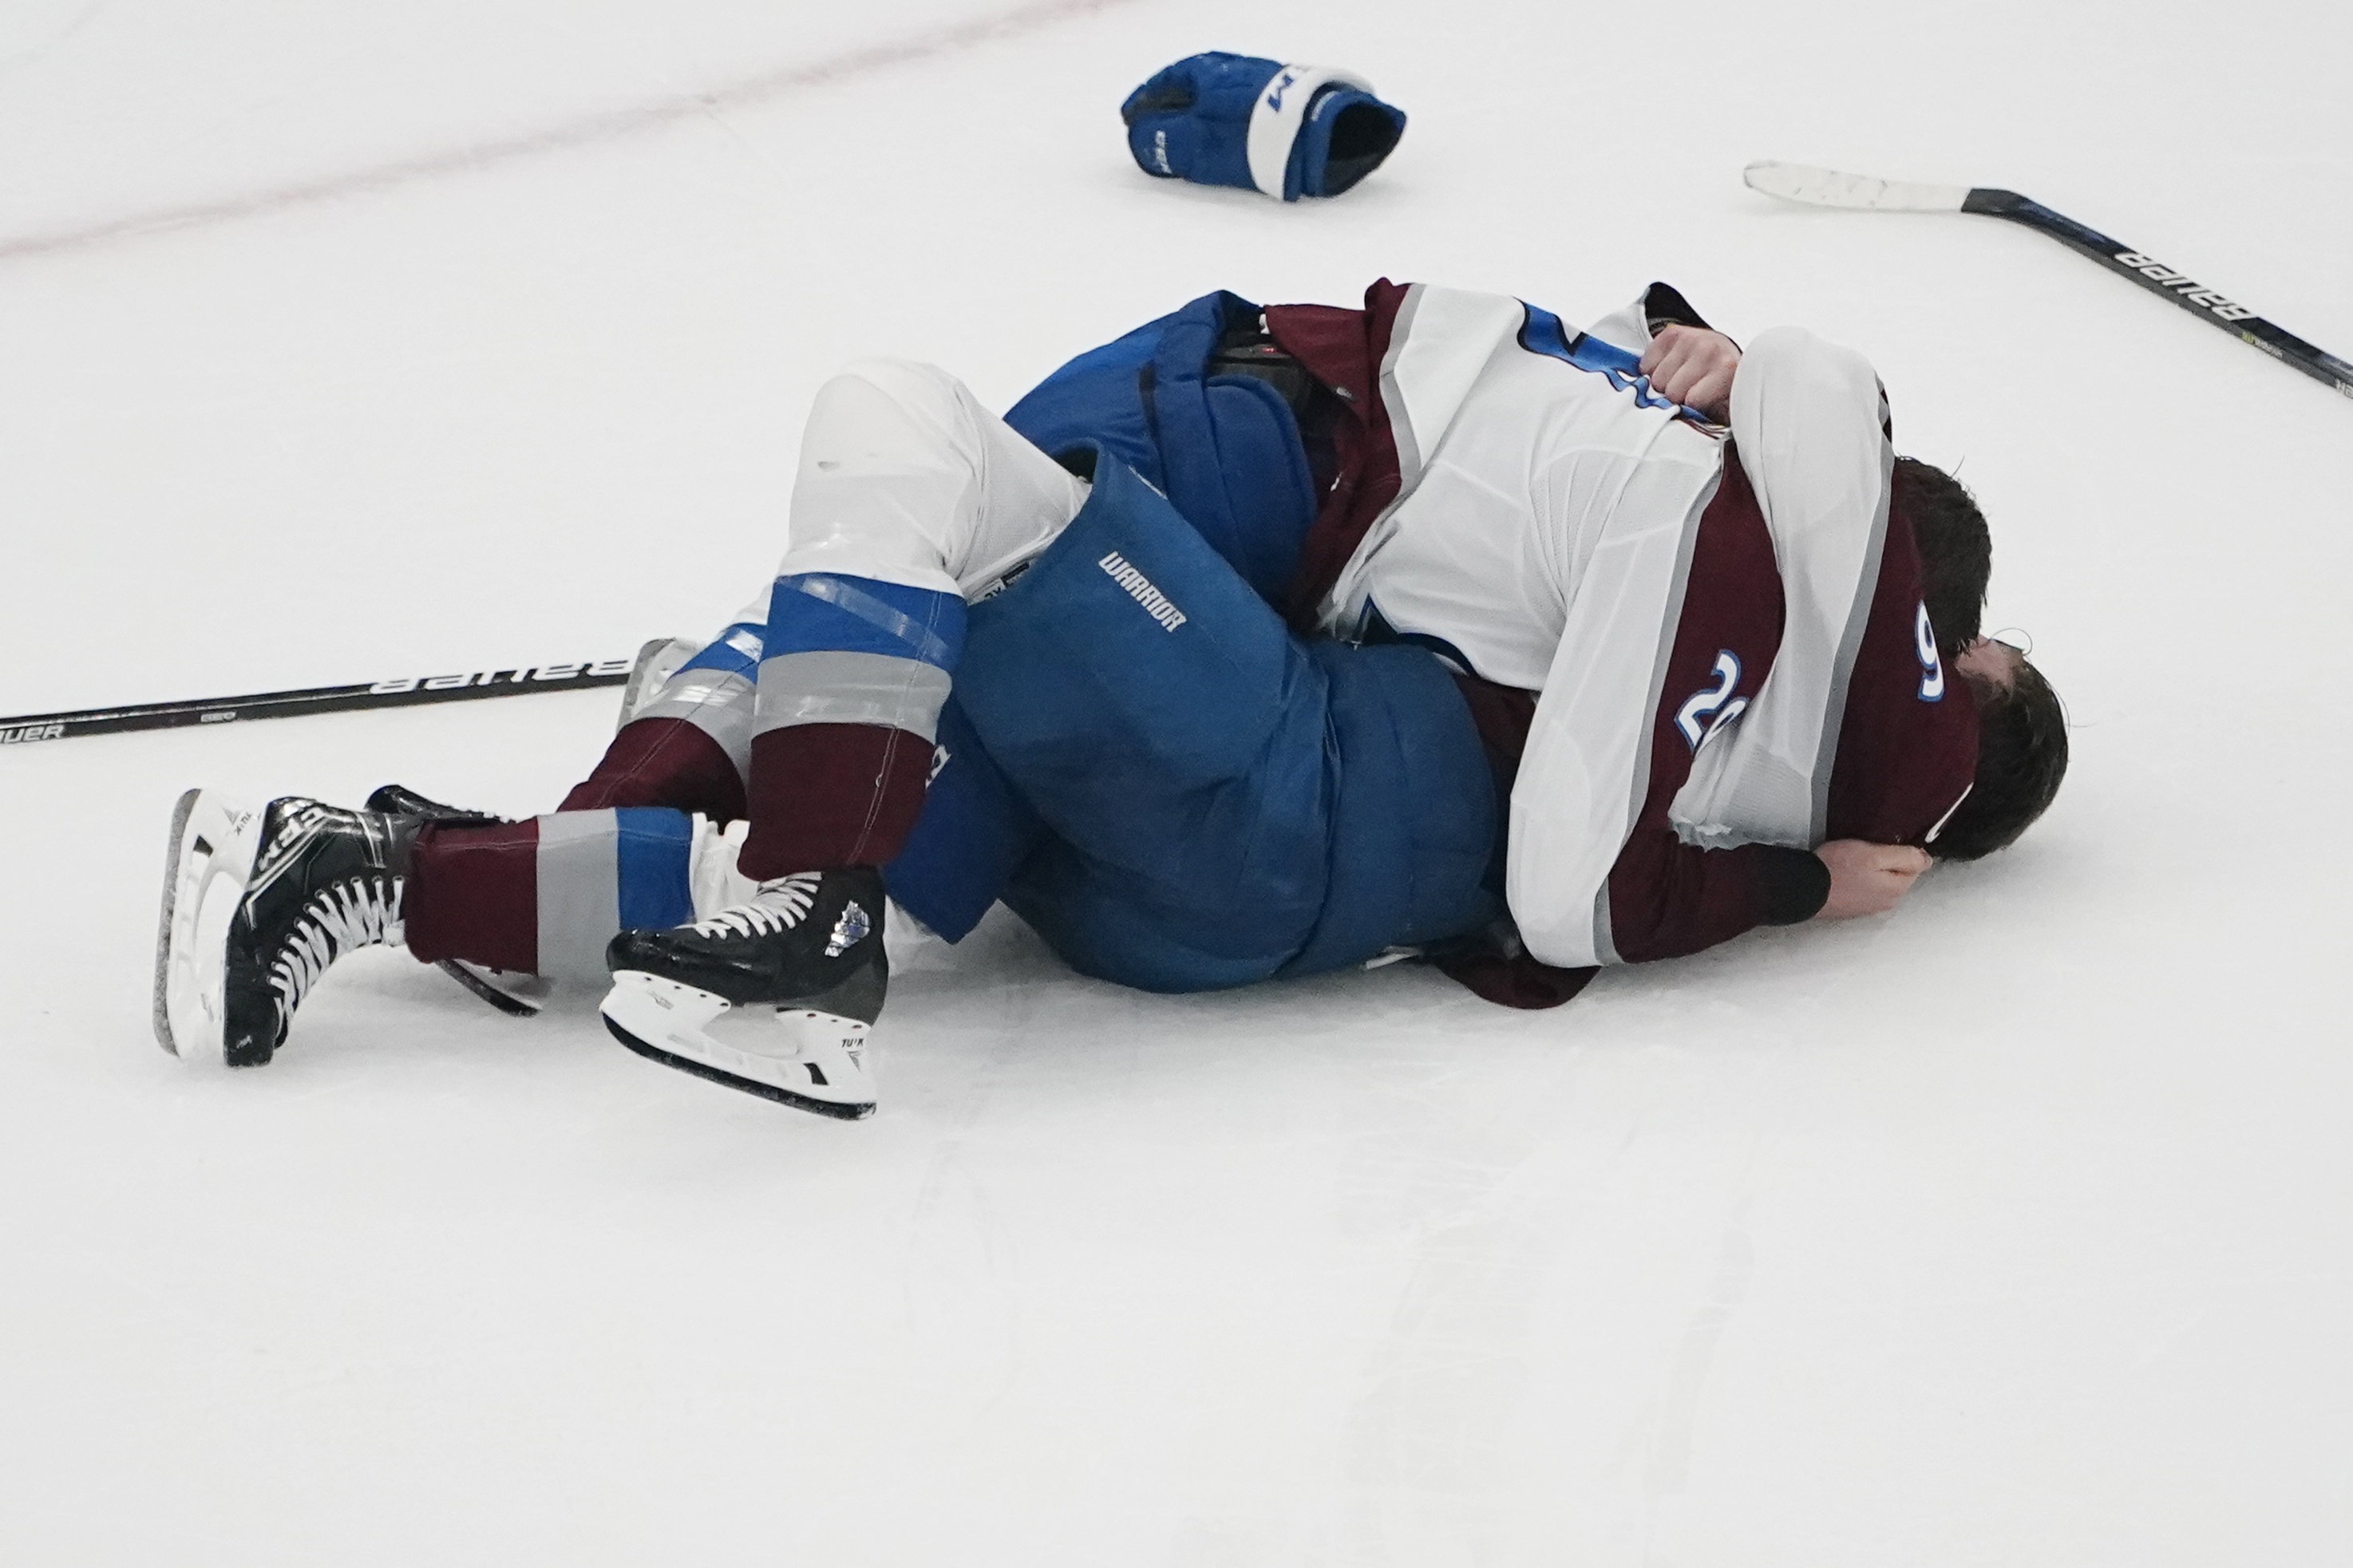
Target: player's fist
{"type": "Point", "coordinates": [1694, 366]}
{"type": "Point", "coordinates": [1867, 879]}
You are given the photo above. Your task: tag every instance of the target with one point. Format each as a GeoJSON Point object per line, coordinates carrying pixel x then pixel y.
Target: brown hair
{"type": "Point", "coordinates": [1955, 549]}
{"type": "Point", "coordinates": [2021, 758]}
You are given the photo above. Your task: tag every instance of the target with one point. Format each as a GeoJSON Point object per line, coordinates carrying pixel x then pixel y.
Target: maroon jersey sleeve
{"type": "Point", "coordinates": [1668, 898]}
{"type": "Point", "coordinates": [1908, 742]}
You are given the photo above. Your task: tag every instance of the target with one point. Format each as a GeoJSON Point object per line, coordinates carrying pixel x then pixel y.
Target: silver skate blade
{"type": "Point", "coordinates": [207, 860]}
{"type": "Point", "coordinates": [521, 997]}
{"type": "Point", "coordinates": [822, 1070]}
{"type": "Point", "coordinates": [164, 925]}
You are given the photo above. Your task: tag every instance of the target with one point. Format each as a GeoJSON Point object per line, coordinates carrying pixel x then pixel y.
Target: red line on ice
{"type": "Point", "coordinates": [605, 127]}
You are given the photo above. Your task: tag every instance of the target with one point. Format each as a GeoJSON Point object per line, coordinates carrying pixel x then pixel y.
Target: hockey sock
{"type": "Point", "coordinates": [663, 762]}
{"type": "Point", "coordinates": [691, 747]}
{"type": "Point", "coordinates": [545, 896]}
{"type": "Point", "coordinates": [849, 691]}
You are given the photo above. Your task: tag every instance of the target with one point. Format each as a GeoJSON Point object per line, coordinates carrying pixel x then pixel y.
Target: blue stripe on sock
{"type": "Point", "coordinates": [650, 851]}
{"type": "Point", "coordinates": [736, 651]}
{"type": "Point", "coordinates": [821, 613]}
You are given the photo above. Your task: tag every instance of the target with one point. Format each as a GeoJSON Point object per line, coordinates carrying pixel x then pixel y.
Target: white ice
{"type": "Point", "coordinates": [2014, 1228]}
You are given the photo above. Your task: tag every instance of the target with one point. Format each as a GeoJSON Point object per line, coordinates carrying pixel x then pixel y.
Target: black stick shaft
{"type": "Point", "coordinates": [407, 692]}
{"type": "Point", "coordinates": [2155, 276]}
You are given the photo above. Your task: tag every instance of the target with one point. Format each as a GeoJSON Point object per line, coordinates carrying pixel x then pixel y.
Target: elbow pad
{"type": "Point", "coordinates": [1290, 130]}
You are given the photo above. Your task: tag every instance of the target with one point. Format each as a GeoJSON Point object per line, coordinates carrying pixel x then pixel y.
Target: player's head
{"type": "Point", "coordinates": [2021, 751]}
{"type": "Point", "coordinates": [1955, 549]}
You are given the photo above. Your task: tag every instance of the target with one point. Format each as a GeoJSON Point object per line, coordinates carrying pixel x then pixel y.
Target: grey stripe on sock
{"type": "Point", "coordinates": [715, 701]}
{"type": "Point", "coordinates": [579, 893]}
{"type": "Point", "coordinates": [850, 689]}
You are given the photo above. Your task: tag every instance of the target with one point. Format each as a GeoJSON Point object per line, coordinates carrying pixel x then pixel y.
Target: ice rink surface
{"type": "Point", "coordinates": [2015, 1228]}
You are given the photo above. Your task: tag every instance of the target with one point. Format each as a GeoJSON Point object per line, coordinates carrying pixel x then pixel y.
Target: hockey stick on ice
{"type": "Point", "coordinates": [1829, 188]}
{"type": "Point", "coordinates": [405, 692]}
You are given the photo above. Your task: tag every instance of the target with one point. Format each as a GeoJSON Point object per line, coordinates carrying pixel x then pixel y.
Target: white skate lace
{"type": "Point", "coordinates": [359, 912]}
{"type": "Point", "coordinates": [779, 906]}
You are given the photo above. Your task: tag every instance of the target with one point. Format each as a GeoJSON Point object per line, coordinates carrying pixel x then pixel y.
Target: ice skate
{"type": "Point", "coordinates": [775, 996]}
{"type": "Point", "coordinates": [517, 995]}
{"type": "Point", "coordinates": [257, 904]}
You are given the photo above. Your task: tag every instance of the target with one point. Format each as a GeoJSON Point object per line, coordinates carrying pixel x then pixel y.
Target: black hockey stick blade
{"type": "Point", "coordinates": [407, 692]}
{"type": "Point", "coordinates": [1829, 188]}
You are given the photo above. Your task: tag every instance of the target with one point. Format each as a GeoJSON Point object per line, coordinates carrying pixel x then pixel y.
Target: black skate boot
{"type": "Point", "coordinates": [399, 800]}
{"type": "Point", "coordinates": [807, 949]}
{"type": "Point", "coordinates": [257, 904]}
{"type": "Point", "coordinates": [516, 995]}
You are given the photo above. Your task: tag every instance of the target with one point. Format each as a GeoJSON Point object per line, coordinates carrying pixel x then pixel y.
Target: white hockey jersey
{"type": "Point", "coordinates": [1541, 536]}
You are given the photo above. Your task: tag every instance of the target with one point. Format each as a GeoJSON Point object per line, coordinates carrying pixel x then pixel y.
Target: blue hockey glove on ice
{"type": "Point", "coordinates": [1234, 120]}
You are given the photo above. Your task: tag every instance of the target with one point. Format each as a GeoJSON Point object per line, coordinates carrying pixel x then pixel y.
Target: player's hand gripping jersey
{"type": "Point", "coordinates": [1725, 628]}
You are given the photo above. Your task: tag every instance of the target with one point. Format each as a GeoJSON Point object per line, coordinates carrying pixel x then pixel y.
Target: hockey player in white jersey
{"type": "Point", "coordinates": [1602, 645]}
